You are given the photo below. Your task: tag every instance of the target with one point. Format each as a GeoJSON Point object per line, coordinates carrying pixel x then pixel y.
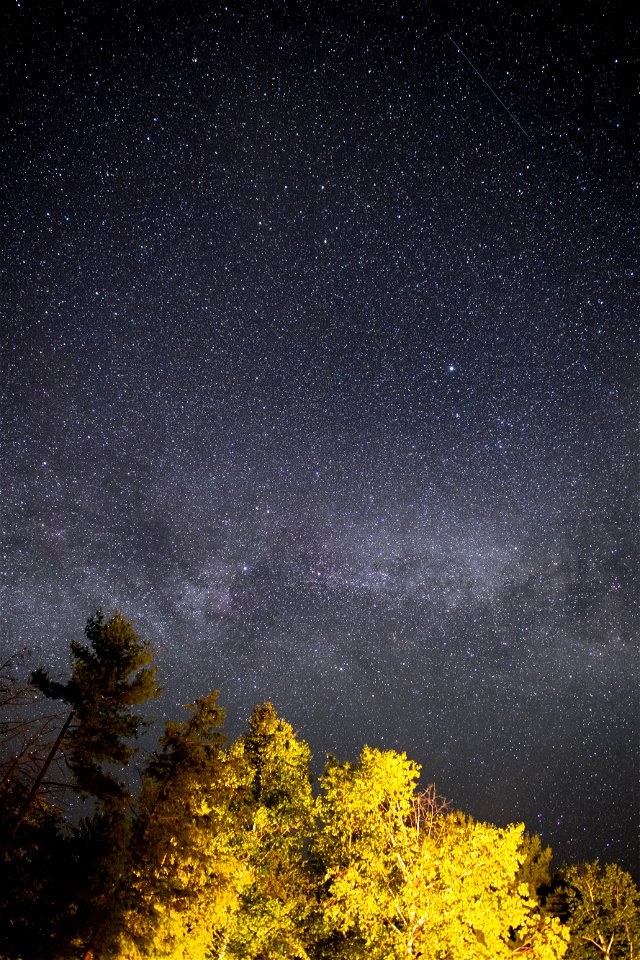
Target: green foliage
{"type": "Point", "coordinates": [110, 675]}
{"type": "Point", "coordinates": [602, 907]}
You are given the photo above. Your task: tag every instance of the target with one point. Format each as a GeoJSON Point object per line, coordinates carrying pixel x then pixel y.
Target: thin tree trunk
{"type": "Point", "coordinates": [26, 806]}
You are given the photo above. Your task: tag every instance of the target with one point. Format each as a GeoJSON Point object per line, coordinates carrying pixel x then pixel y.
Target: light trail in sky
{"type": "Point", "coordinates": [488, 85]}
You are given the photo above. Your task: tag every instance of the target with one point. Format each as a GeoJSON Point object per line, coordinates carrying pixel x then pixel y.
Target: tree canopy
{"type": "Point", "coordinates": [602, 906]}
{"type": "Point", "coordinates": [225, 852]}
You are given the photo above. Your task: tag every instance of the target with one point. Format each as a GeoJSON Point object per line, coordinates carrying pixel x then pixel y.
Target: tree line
{"type": "Point", "coordinates": [224, 851]}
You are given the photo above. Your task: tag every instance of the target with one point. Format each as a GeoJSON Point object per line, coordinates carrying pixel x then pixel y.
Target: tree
{"type": "Point", "coordinates": [25, 731]}
{"type": "Point", "coordinates": [271, 919]}
{"type": "Point", "coordinates": [183, 874]}
{"type": "Point", "coordinates": [601, 904]}
{"type": "Point", "coordinates": [535, 869]}
{"type": "Point", "coordinates": [405, 879]}
{"type": "Point", "coordinates": [56, 875]}
{"type": "Point", "coordinates": [109, 676]}
{"type": "Point", "coordinates": [36, 881]}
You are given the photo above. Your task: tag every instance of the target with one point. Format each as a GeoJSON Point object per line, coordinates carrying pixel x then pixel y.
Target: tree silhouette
{"type": "Point", "coordinates": [110, 675]}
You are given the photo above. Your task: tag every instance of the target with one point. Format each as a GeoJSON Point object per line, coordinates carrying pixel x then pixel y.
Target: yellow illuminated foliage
{"type": "Point", "coordinates": [404, 880]}
{"type": "Point", "coordinates": [227, 856]}
{"type": "Point", "coordinates": [276, 896]}
{"type": "Point", "coordinates": [184, 871]}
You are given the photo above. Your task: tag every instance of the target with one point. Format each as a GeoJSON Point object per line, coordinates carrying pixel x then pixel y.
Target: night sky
{"type": "Point", "coordinates": [320, 362]}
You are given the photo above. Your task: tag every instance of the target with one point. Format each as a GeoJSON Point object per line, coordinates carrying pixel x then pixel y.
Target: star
{"type": "Point", "coordinates": [399, 471]}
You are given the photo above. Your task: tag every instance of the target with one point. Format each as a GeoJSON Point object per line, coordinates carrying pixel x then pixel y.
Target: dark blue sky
{"type": "Point", "coordinates": [319, 360]}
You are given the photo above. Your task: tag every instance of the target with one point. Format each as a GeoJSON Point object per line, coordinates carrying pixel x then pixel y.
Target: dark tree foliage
{"type": "Point", "coordinates": [52, 879]}
{"type": "Point", "coordinates": [601, 905]}
{"type": "Point", "coordinates": [36, 881]}
{"type": "Point", "coordinates": [110, 675]}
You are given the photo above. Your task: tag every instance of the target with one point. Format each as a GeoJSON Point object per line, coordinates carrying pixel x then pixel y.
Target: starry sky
{"type": "Point", "coordinates": [319, 360]}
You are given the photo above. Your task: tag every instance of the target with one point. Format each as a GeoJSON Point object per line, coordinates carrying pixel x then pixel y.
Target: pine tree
{"type": "Point", "coordinates": [67, 877]}
{"type": "Point", "coordinates": [272, 915]}
{"type": "Point", "coordinates": [109, 676]}
{"type": "Point", "coordinates": [183, 875]}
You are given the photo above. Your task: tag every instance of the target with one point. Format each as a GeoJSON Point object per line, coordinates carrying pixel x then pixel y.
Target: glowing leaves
{"type": "Point", "coordinates": [403, 879]}
{"type": "Point", "coordinates": [185, 874]}
{"type": "Point", "coordinates": [275, 818]}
